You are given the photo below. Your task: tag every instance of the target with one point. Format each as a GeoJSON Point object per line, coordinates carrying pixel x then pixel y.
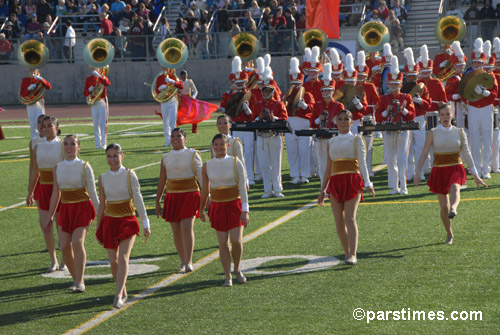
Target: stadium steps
{"type": "Point", "coordinates": [422, 17]}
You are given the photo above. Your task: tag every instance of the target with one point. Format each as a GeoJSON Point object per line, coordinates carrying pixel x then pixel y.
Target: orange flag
{"type": "Point", "coordinates": [193, 110]}
{"type": "Point", "coordinates": [324, 14]}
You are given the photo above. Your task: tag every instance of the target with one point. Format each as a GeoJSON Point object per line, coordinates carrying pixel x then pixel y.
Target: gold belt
{"type": "Point", "coordinates": [46, 176]}
{"type": "Point", "coordinates": [224, 193]}
{"type": "Point", "coordinates": [119, 209]}
{"type": "Point", "coordinates": [341, 166]}
{"type": "Point", "coordinates": [74, 195]}
{"type": "Point", "coordinates": [181, 185]}
{"type": "Point", "coordinates": [447, 159]}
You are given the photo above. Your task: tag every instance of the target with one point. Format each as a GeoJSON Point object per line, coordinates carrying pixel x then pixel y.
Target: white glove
{"type": "Point", "coordinates": [357, 103]}
{"type": "Point", "coordinates": [162, 87]}
{"type": "Point", "coordinates": [31, 87]}
{"type": "Point", "coordinates": [478, 89]}
{"type": "Point", "coordinates": [455, 96]}
{"type": "Point", "coordinates": [385, 113]}
{"type": "Point", "coordinates": [248, 69]}
{"type": "Point", "coordinates": [405, 111]}
{"type": "Point", "coordinates": [91, 88]}
{"type": "Point", "coordinates": [417, 100]}
{"type": "Point", "coordinates": [170, 81]}
{"type": "Point", "coordinates": [443, 63]}
{"type": "Point", "coordinates": [302, 105]}
{"type": "Point", "coordinates": [246, 108]}
{"type": "Point", "coordinates": [485, 92]}
{"type": "Point", "coordinates": [95, 73]}
{"type": "Point", "coordinates": [38, 77]}
{"type": "Point", "coordinates": [376, 68]}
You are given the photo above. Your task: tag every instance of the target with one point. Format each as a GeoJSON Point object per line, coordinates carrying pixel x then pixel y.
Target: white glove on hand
{"type": "Point", "coordinates": [302, 105]}
{"type": "Point", "coordinates": [246, 108]}
{"type": "Point", "coordinates": [405, 111]}
{"type": "Point", "coordinates": [443, 64]}
{"type": "Point", "coordinates": [478, 89]}
{"type": "Point", "coordinates": [162, 87]}
{"type": "Point", "coordinates": [95, 73]}
{"type": "Point", "coordinates": [357, 103]}
{"type": "Point", "coordinates": [38, 77]}
{"type": "Point", "coordinates": [485, 92]}
{"type": "Point", "coordinates": [170, 81]}
{"type": "Point", "coordinates": [376, 68]}
{"type": "Point", "coordinates": [91, 88]}
{"type": "Point", "coordinates": [31, 87]}
{"type": "Point", "coordinates": [455, 96]}
{"type": "Point", "coordinates": [385, 113]}
{"type": "Point", "coordinates": [417, 100]}
{"type": "Point", "coordinates": [248, 69]}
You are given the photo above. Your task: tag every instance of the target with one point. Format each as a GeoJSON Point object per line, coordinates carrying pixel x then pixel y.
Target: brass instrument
{"type": "Point", "coordinates": [234, 106]}
{"type": "Point", "coordinates": [413, 88]}
{"type": "Point", "coordinates": [312, 38]}
{"type": "Point", "coordinates": [33, 54]}
{"type": "Point", "coordinates": [395, 115]}
{"type": "Point", "coordinates": [98, 53]}
{"type": "Point", "coordinates": [346, 93]}
{"type": "Point", "coordinates": [292, 98]}
{"type": "Point", "coordinates": [468, 83]}
{"type": "Point", "coordinates": [244, 45]}
{"type": "Point", "coordinates": [172, 53]}
{"type": "Point", "coordinates": [447, 30]}
{"type": "Point", "coordinates": [373, 35]}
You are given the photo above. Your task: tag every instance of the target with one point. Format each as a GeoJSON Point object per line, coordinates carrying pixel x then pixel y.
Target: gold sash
{"type": "Point", "coordinates": [447, 159]}
{"type": "Point", "coordinates": [182, 185]}
{"type": "Point", "coordinates": [74, 195]}
{"type": "Point", "coordinates": [119, 209]}
{"type": "Point", "coordinates": [344, 165]}
{"type": "Point", "coordinates": [224, 193]}
{"type": "Point", "coordinates": [46, 176]}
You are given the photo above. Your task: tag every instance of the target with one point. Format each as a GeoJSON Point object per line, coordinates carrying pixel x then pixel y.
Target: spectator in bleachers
{"type": "Point", "coordinates": [151, 8]}
{"type": "Point", "coordinates": [180, 30]}
{"type": "Point", "coordinates": [205, 17]}
{"type": "Point", "coordinates": [136, 39]}
{"type": "Point", "coordinates": [148, 31]}
{"type": "Point", "coordinates": [235, 27]}
{"type": "Point", "coordinates": [357, 9]}
{"type": "Point", "coordinates": [30, 8]}
{"type": "Point", "coordinates": [375, 16]}
{"type": "Point", "coordinates": [396, 35]}
{"type": "Point", "coordinates": [135, 5]}
{"type": "Point", "coordinates": [255, 9]}
{"type": "Point", "coordinates": [301, 22]}
{"type": "Point", "coordinates": [16, 26]}
{"type": "Point", "coordinates": [487, 14]}
{"type": "Point", "coordinates": [223, 22]}
{"type": "Point", "coordinates": [273, 6]}
{"type": "Point", "coordinates": [47, 39]}
{"type": "Point", "coordinates": [454, 11]}
{"type": "Point", "coordinates": [164, 29]}
{"type": "Point", "coordinates": [203, 40]}
{"type": "Point", "coordinates": [43, 8]}
{"type": "Point", "coordinates": [93, 21]}
{"type": "Point", "coordinates": [195, 10]}
{"type": "Point", "coordinates": [71, 8]}
{"type": "Point", "coordinates": [249, 23]}
{"type": "Point", "coordinates": [472, 14]}
{"type": "Point", "coordinates": [5, 48]}
{"type": "Point", "coordinates": [183, 10]}
{"type": "Point", "coordinates": [61, 8]}
{"type": "Point", "coordinates": [11, 34]}
{"type": "Point", "coordinates": [497, 11]}
{"type": "Point", "coordinates": [383, 10]}
{"type": "Point", "coordinates": [115, 10]}
{"type": "Point", "coordinates": [344, 11]}
{"type": "Point", "coordinates": [291, 34]}
{"type": "Point", "coordinates": [22, 18]}
{"type": "Point", "coordinates": [69, 42]}
{"type": "Point", "coordinates": [33, 28]}
{"type": "Point", "coordinates": [401, 14]}
{"type": "Point", "coordinates": [266, 13]}
{"type": "Point", "coordinates": [127, 13]}
{"type": "Point", "coordinates": [190, 20]}
{"type": "Point", "coordinates": [4, 12]}
{"type": "Point", "coordinates": [142, 10]}
{"type": "Point", "coordinates": [106, 28]}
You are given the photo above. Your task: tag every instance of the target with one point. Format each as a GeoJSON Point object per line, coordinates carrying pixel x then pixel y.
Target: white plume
{"type": "Point", "coordinates": [315, 55]}
{"type": "Point", "coordinates": [410, 61]}
{"type": "Point", "coordinates": [478, 45]}
{"type": "Point", "coordinates": [387, 49]}
{"type": "Point", "coordinates": [334, 56]}
{"type": "Point", "coordinates": [268, 74]}
{"type": "Point", "coordinates": [424, 54]}
{"type": "Point", "coordinates": [496, 45]}
{"type": "Point", "coordinates": [327, 73]}
{"type": "Point", "coordinates": [394, 66]}
{"type": "Point", "coordinates": [294, 65]}
{"type": "Point", "coordinates": [487, 49]}
{"type": "Point", "coordinates": [455, 46]}
{"type": "Point", "coordinates": [349, 63]}
{"type": "Point", "coordinates": [267, 60]}
{"type": "Point", "coordinates": [260, 66]}
{"type": "Point", "coordinates": [236, 65]}
{"type": "Point", "coordinates": [307, 54]}
{"type": "Point", "coordinates": [361, 59]}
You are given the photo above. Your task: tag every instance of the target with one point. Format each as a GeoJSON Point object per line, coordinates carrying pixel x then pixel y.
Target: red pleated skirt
{"type": "Point", "coordinates": [344, 187]}
{"type": "Point", "coordinates": [179, 206]}
{"type": "Point", "coordinates": [36, 191]}
{"type": "Point", "coordinates": [72, 216]}
{"type": "Point", "coordinates": [442, 178]}
{"type": "Point", "coordinates": [113, 230]}
{"type": "Point", "coordinates": [45, 192]}
{"type": "Point", "coordinates": [225, 216]}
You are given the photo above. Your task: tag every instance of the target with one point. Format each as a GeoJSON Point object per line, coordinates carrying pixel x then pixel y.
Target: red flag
{"type": "Point", "coordinates": [193, 110]}
{"type": "Point", "coordinates": [324, 14]}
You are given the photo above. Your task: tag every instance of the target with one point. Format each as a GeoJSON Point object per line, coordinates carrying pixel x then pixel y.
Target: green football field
{"type": "Point", "coordinates": [406, 281]}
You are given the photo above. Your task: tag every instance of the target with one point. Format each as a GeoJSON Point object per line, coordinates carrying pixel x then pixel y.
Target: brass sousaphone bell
{"type": "Point", "coordinates": [33, 55]}
{"type": "Point", "coordinates": [244, 45]}
{"type": "Point", "coordinates": [172, 53]}
{"type": "Point", "coordinates": [447, 30]}
{"type": "Point", "coordinates": [466, 87]}
{"type": "Point", "coordinates": [98, 53]}
{"type": "Point", "coordinates": [312, 38]}
{"type": "Point", "coordinates": [373, 35]}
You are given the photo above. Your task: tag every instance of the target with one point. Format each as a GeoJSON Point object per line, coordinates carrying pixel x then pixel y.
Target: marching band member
{"type": "Point", "coordinates": [337, 67]}
{"type": "Point", "coordinates": [117, 225]}
{"type": "Point", "coordinates": [422, 103]}
{"type": "Point", "coordinates": [270, 145]}
{"type": "Point", "coordinates": [442, 60]}
{"type": "Point", "coordinates": [495, 61]}
{"type": "Point", "coordinates": [350, 78]}
{"type": "Point", "coordinates": [396, 107]}
{"type": "Point", "coordinates": [169, 108]}
{"type": "Point", "coordinates": [346, 176]}
{"type": "Point", "coordinates": [374, 63]}
{"type": "Point", "coordinates": [74, 187]}
{"type": "Point", "coordinates": [224, 176]}
{"type": "Point", "coordinates": [99, 109]}
{"type": "Point", "coordinates": [324, 114]}
{"type": "Point", "coordinates": [377, 75]}
{"type": "Point", "coordinates": [257, 90]}
{"type": "Point", "coordinates": [306, 61]}
{"type": "Point", "coordinates": [313, 68]}
{"type": "Point", "coordinates": [46, 156]}
{"type": "Point", "coordinates": [28, 86]}
{"type": "Point", "coordinates": [189, 90]}
{"type": "Point", "coordinates": [480, 117]}
{"type": "Point", "coordinates": [448, 173]}
{"type": "Point", "coordinates": [181, 172]}
{"type": "Point", "coordinates": [277, 90]}
{"type": "Point", "coordinates": [299, 147]}
{"type": "Point", "coordinates": [458, 60]}
{"type": "Point", "coordinates": [434, 86]}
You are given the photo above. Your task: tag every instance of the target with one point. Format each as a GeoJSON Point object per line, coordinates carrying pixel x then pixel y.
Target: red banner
{"type": "Point", "coordinates": [324, 15]}
{"type": "Point", "coordinates": [193, 110]}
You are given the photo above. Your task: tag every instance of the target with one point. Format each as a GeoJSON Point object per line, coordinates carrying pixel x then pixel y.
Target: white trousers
{"type": "Point", "coordinates": [369, 152]}
{"type": "Point", "coordinates": [246, 138]}
{"type": "Point", "coordinates": [100, 119]}
{"type": "Point", "coordinates": [481, 136]}
{"type": "Point", "coordinates": [321, 147]}
{"type": "Point", "coordinates": [417, 141]}
{"type": "Point", "coordinates": [355, 125]}
{"type": "Point", "coordinates": [313, 165]}
{"type": "Point", "coordinates": [269, 151]}
{"type": "Point", "coordinates": [34, 111]}
{"type": "Point", "coordinates": [396, 153]}
{"type": "Point", "coordinates": [457, 108]}
{"type": "Point", "coordinates": [298, 148]}
{"type": "Point", "coordinates": [495, 150]}
{"type": "Point", "coordinates": [169, 114]}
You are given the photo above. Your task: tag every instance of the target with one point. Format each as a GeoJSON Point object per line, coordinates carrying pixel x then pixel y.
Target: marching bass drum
{"type": "Point", "coordinates": [431, 120]}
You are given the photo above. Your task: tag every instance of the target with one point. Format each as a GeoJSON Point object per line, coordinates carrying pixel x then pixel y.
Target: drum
{"type": "Point", "coordinates": [431, 120]}
{"type": "Point", "coordinates": [495, 120]}
{"type": "Point", "coordinates": [367, 121]}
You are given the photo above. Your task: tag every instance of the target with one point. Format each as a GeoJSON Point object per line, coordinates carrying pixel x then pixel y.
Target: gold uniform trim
{"type": "Point", "coordinates": [119, 209]}
{"type": "Point", "coordinates": [344, 165]}
{"type": "Point", "coordinates": [74, 195]}
{"type": "Point", "coordinates": [182, 185]}
{"type": "Point", "coordinates": [447, 159]}
{"type": "Point", "coordinates": [224, 193]}
{"type": "Point", "coordinates": [46, 176]}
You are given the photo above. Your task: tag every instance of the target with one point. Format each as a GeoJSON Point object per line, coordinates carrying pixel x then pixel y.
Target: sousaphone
{"type": "Point", "coordinates": [244, 45]}
{"type": "Point", "coordinates": [292, 98]}
{"type": "Point", "coordinates": [33, 55]}
{"type": "Point", "coordinates": [312, 38]}
{"type": "Point", "coordinates": [373, 35]}
{"type": "Point", "coordinates": [447, 30]}
{"type": "Point", "coordinates": [98, 53]}
{"type": "Point", "coordinates": [466, 86]}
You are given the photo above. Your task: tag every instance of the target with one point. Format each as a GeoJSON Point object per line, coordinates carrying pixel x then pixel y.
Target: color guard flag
{"type": "Point", "coordinates": [193, 110]}
{"type": "Point", "coordinates": [324, 15]}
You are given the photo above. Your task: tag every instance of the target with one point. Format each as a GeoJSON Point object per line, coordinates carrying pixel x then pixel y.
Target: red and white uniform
{"type": "Point", "coordinates": [437, 93]}
{"type": "Point", "coordinates": [78, 195]}
{"type": "Point", "coordinates": [48, 154]}
{"type": "Point", "coordinates": [228, 191]}
{"type": "Point", "coordinates": [438, 61]}
{"type": "Point", "coordinates": [28, 84]}
{"type": "Point", "coordinates": [314, 87]}
{"type": "Point", "coordinates": [270, 146]}
{"type": "Point", "coordinates": [372, 100]}
{"type": "Point", "coordinates": [455, 99]}
{"type": "Point", "coordinates": [182, 198]}
{"type": "Point", "coordinates": [123, 192]}
{"type": "Point", "coordinates": [169, 108]}
{"type": "Point", "coordinates": [99, 109]}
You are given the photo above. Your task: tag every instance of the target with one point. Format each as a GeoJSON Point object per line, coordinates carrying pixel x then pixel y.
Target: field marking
{"type": "Point", "coordinates": [103, 316]}
{"type": "Point", "coordinates": [88, 124]}
{"type": "Point", "coordinates": [15, 160]}
{"type": "Point", "coordinates": [11, 206]}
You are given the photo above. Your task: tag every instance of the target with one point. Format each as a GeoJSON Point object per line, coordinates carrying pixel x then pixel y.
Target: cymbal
{"type": "Point", "coordinates": [471, 80]}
